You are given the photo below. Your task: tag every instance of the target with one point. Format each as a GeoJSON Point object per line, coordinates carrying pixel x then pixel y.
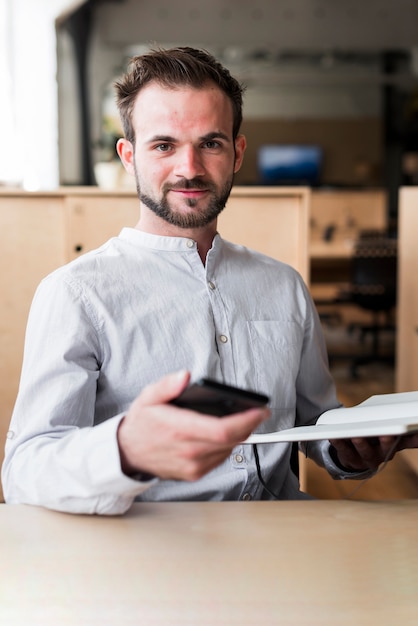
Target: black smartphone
{"type": "Point", "coordinates": [214, 398]}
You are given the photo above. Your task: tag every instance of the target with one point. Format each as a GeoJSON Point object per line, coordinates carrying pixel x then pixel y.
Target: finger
{"type": "Point", "coordinates": [165, 389]}
{"type": "Point", "coordinates": [389, 446]}
{"type": "Point", "coordinates": [347, 455]}
{"type": "Point", "coordinates": [369, 451]}
{"type": "Point", "coordinates": [374, 451]}
{"type": "Point", "coordinates": [241, 425]}
{"type": "Point", "coordinates": [344, 447]}
{"type": "Point", "coordinates": [196, 468]}
{"type": "Point", "coordinates": [220, 431]}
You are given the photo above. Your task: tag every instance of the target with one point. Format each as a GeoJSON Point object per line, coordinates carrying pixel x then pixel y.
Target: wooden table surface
{"type": "Point", "coordinates": [258, 563]}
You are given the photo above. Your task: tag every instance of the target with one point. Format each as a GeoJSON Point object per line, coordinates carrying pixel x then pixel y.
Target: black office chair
{"type": "Point", "coordinates": [373, 288]}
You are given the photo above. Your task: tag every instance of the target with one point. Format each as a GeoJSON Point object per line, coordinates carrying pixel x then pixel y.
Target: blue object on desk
{"type": "Point", "coordinates": [289, 164]}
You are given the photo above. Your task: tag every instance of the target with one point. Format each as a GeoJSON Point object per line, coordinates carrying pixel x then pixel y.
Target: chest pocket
{"type": "Point", "coordinates": [276, 347]}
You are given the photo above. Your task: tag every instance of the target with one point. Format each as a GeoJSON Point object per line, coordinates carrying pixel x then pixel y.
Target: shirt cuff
{"type": "Point", "coordinates": [106, 459]}
{"type": "Point", "coordinates": [339, 473]}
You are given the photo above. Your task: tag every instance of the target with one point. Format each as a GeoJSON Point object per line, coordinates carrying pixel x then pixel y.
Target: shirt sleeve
{"type": "Point", "coordinates": [338, 472]}
{"type": "Point", "coordinates": [55, 455]}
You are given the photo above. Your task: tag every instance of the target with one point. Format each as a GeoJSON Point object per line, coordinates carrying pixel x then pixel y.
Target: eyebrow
{"type": "Point", "coordinates": [170, 139]}
{"type": "Point", "coordinates": [161, 138]}
{"type": "Point", "coordinates": [215, 135]}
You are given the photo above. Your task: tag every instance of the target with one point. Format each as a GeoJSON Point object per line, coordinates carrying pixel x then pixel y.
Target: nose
{"type": "Point", "coordinates": [189, 162]}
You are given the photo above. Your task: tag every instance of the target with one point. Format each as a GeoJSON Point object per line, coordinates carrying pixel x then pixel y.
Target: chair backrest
{"type": "Point", "coordinates": [374, 272]}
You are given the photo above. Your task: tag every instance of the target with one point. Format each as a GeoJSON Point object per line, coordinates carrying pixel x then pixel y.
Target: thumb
{"type": "Point", "coordinates": [165, 389]}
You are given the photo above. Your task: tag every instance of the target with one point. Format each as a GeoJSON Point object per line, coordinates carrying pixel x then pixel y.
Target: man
{"type": "Point", "coordinates": [117, 334]}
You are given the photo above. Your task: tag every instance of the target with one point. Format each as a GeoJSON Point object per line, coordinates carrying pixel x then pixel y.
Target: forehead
{"type": "Point", "coordinates": [158, 107]}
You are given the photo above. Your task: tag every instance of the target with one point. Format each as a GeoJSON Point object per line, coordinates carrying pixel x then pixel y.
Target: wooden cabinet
{"type": "Point", "coordinates": [347, 211]}
{"type": "Point", "coordinates": [41, 231]}
{"type": "Point", "coordinates": [272, 220]}
{"type": "Point", "coordinates": [93, 217]}
{"type": "Point", "coordinates": [336, 219]}
{"type": "Point", "coordinates": [407, 308]}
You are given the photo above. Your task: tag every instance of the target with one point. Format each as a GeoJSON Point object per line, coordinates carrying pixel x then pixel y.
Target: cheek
{"type": "Point", "coordinates": [152, 178]}
{"type": "Point", "coordinates": [153, 171]}
{"type": "Point", "coordinates": [221, 168]}
{"type": "Point", "coordinates": [156, 176]}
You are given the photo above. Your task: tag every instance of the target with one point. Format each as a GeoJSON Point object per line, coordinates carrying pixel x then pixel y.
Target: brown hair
{"type": "Point", "coordinates": [171, 68]}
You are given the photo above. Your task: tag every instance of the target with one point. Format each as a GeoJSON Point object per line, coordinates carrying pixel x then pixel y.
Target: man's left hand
{"type": "Point", "coordinates": [367, 453]}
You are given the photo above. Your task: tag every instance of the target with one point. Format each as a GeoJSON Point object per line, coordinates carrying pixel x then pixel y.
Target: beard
{"type": "Point", "coordinates": [165, 211]}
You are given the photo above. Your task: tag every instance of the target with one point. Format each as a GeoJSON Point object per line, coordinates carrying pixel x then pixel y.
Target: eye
{"type": "Point", "coordinates": [163, 147]}
{"type": "Point", "coordinates": [212, 145]}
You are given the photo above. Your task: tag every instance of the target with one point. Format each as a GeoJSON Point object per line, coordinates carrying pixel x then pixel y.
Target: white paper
{"type": "Point", "coordinates": [387, 414]}
{"type": "Point", "coordinates": [379, 407]}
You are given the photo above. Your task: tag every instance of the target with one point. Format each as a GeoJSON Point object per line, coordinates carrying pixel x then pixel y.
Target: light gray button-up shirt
{"type": "Point", "coordinates": [122, 316]}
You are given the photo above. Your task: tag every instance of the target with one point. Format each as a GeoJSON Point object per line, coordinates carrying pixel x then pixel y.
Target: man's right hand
{"type": "Point", "coordinates": [161, 439]}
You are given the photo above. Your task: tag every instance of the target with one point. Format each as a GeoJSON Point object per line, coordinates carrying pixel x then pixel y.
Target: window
{"type": "Point", "coordinates": [8, 162]}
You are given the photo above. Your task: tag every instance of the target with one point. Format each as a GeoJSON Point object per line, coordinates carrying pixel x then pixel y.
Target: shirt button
{"type": "Point", "coordinates": [190, 243]}
{"type": "Point", "coordinates": [10, 434]}
{"type": "Point", "coordinates": [238, 458]}
{"type": "Point", "coordinates": [211, 285]}
{"type": "Point", "coordinates": [246, 497]}
{"type": "Point", "coordinates": [223, 338]}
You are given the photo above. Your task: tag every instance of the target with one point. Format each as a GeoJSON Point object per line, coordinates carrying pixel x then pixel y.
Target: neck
{"type": "Point", "coordinates": [154, 225]}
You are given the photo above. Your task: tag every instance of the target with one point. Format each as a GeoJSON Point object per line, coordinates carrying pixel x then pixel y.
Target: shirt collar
{"type": "Point", "coordinates": [159, 242]}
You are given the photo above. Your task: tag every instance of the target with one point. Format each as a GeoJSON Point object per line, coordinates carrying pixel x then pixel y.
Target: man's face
{"type": "Point", "coordinates": [184, 158]}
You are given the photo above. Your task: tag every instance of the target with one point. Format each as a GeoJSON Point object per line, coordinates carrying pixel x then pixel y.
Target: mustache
{"type": "Point", "coordinates": [189, 183]}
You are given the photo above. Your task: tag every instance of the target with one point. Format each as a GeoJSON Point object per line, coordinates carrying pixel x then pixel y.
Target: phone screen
{"type": "Point", "coordinates": [214, 398]}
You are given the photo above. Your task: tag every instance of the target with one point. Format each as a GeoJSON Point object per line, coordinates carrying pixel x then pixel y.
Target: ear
{"type": "Point", "coordinates": [125, 151]}
{"type": "Point", "coordinates": [240, 146]}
